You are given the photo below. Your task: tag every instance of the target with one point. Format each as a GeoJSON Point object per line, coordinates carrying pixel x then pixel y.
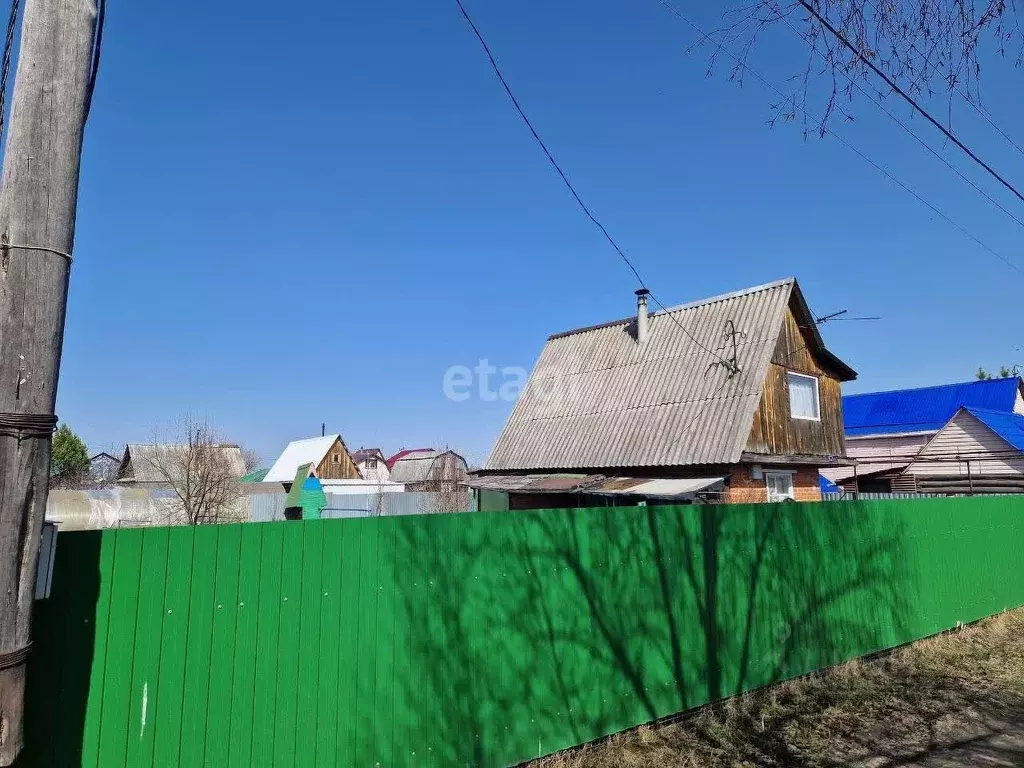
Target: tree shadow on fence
{"type": "Point", "coordinates": [60, 665]}
{"type": "Point", "coordinates": [542, 630]}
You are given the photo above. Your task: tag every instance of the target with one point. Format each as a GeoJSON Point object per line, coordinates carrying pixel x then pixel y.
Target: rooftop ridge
{"type": "Point", "coordinates": [931, 387]}
{"type": "Point", "coordinates": [680, 307]}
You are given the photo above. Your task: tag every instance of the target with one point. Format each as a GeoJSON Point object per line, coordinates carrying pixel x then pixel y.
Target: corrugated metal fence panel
{"type": "Point", "coordinates": [851, 496]}
{"type": "Point", "coordinates": [479, 640]}
{"type": "Point", "coordinates": [266, 507]}
{"type": "Point", "coordinates": [389, 504]}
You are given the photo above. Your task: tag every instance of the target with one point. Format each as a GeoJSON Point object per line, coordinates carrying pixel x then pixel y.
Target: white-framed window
{"type": "Point", "coordinates": [803, 396]}
{"type": "Point", "coordinates": [779, 485]}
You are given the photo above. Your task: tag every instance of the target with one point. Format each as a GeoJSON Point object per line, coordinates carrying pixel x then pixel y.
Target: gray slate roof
{"type": "Point", "coordinates": [417, 466]}
{"type": "Point", "coordinates": [597, 399]}
{"type": "Point", "coordinates": [140, 462]}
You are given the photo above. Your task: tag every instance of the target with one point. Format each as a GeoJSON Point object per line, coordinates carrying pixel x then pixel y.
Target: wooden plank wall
{"type": "Point", "coordinates": [338, 464]}
{"type": "Point", "coordinates": [774, 430]}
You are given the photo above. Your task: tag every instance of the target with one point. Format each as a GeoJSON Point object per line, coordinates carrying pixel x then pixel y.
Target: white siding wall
{"type": "Point", "coordinates": [966, 435]}
{"type": "Point", "coordinates": [377, 474]}
{"type": "Point", "coordinates": [886, 447]}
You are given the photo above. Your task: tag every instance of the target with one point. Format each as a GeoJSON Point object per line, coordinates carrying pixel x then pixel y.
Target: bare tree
{"type": "Point", "coordinates": [203, 472]}
{"type": "Point", "coordinates": [444, 483]}
{"type": "Point", "coordinates": [924, 46]}
{"type": "Point", "coordinates": [251, 460]}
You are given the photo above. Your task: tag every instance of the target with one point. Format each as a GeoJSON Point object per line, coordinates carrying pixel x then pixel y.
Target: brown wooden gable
{"type": "Point", "coordinates": [774, 431]}
{"type": "Point", "coordinates": [337, 464]}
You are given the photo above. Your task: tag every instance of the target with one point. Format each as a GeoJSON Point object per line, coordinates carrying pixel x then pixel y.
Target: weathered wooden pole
{"type": "Point", "coordinates": [37, 232]}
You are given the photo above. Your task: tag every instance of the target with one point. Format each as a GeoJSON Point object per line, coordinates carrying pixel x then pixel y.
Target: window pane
{"type": "Point", "coordinates": [803, 397]}
{"type": "Point", "coordinates": [780, 486]}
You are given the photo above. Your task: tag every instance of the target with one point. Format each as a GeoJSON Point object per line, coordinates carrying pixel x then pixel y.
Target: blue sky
{"type": "Point", "coordinates": [301, 214]}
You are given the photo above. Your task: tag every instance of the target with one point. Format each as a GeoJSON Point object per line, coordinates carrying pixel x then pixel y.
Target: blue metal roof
{"type": "Point", "coordinates": [1009, 426]}
{"type": "Point", "coordinates": [925, 409]}
{"type": "Point", "coordinates": [827, 486]}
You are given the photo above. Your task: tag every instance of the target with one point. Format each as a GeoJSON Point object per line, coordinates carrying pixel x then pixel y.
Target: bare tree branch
{"type": "Point", "coordinates": [203, 472]}
{"type": "Point", "coordinates": [926, 46]}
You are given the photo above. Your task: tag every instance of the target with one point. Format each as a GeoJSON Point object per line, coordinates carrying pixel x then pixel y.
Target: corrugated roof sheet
{"type": "Point", "coordinates": [923, 410]}
{"type": "Point", "coordinates": [309, 451]}
{"type": "Point", "coordinates": [142, 463]}
{"type": "Point", "coordinates": [407, 452]}
{"type": "Point", "coordinates": [666, 488]}
{"type": "Point", "coordinates": [865, 469]}
{"type": "Point", "coordinates": [598, 399]}
{"type": "Point", "coordinates": [1009, 426]}
{"type": "Point", "coordinates": [596, 484]}
{"type": "Point", "coordinates": [415, 466]}
{"type": "Point", "coordinates": [533, 483]}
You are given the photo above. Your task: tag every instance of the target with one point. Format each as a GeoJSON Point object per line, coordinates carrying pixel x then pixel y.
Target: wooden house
{"type": "Point", "coordinates": [327, 455]}
{"type": "Point", "coordinates": [733, 398]}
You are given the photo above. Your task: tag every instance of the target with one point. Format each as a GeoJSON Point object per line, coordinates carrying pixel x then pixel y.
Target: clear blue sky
{"type": "Point", "coordinates": [306, 213]}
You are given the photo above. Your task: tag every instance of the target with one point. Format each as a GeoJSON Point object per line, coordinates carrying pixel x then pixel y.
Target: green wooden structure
{"type": "Point", "coordinates": [484, 639]}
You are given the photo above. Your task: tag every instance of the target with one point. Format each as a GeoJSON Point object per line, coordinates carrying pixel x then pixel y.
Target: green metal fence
{"type": "Point", "coordinates": [486, 639]}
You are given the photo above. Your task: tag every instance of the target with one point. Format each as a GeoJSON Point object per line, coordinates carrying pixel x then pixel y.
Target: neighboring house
{"type": "Point", "coordinates": [103, 468]}
{"type": "Point", "coordinates": [146, 466]}
{"type": "Point", "coordinates": [885, 431]}
{"type": "Point", "coordinates": [327, 456]}
{"type": "Point", "coordinates": [372, 465]}
{"type": "Point", "coordinates": [977, 451]}
{"type": "Point", "coordinates": [427, 469]}
{"type": "Point", "coordinates": [732, 398]}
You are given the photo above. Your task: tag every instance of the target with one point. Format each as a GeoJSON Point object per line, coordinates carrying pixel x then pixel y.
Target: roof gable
{"type": "Point", "coordinates": [925, 409]}
{"type": "Point", "coordinates": [151, 463]}
{"type": "Point", "coordinates": [598, 399]}
{"type": "Point", "coordinates": [363, 454]}
{"type": "Point", "coordinates": [1009, 426]}
{"type": "Point", "coordinates": [408, 452]}
{"type": "Point", "coordinates": [420, 465]}
{"type": "Point", "coordinates": [298, 452]}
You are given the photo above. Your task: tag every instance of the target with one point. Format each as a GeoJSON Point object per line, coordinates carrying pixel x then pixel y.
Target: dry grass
{"type": "Point", "coordinates": [963, 690]}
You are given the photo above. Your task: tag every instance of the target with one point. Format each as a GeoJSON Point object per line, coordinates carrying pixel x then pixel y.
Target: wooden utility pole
{"type": "Point", "coordinates": [37, 232]}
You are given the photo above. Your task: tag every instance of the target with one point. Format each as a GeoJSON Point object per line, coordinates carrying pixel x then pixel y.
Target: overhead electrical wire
{"type": "Point", "coordinates": [764, 81]}
{"type": "Point", "coordinates": [5, 67]}
{"type": "Point", "coordinates": [982, 112]}
{"type": "Point", "coordinates": [94, 64]}
{"type": "Point", "coordinates": [878, 103]}
{"type": "Point", "coordinates": [730, 365]}
{"type": "Point", "coordinates": [908, 98]}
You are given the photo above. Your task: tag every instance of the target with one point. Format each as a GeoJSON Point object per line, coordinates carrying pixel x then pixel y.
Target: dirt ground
{"type": "Point", "coordinates": [951, 701]}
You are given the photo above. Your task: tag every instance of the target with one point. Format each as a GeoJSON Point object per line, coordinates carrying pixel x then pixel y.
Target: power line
{"type": "Point", "coordinates": [730, 365]}
{"type": "Point", "coordinates": [909, 99]}
{"type": "Point", "coordinates": [963, 230]}
{"type": "Point", "coordinates": [967, 98]}
{"type": "Point", "coordinates": [877, 102]}
{"type": "Point", "coordinates": [988, 119]}
{"type": "Point", "coordinates": [97, 48]}
{"type": "Point", "coordinates": [5, 68]}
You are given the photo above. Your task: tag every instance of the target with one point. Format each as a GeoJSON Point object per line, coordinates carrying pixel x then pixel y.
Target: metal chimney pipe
{"type": "Point", "coordinates": [641, 315]}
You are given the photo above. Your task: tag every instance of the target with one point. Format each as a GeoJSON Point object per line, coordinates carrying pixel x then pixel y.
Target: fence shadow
{"type": "Point", "coordinates": [60, 665]}
{"type": "Point", "coordinates": [944, 703]}
{"type": "Point", "coordinates": [546, 629]}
